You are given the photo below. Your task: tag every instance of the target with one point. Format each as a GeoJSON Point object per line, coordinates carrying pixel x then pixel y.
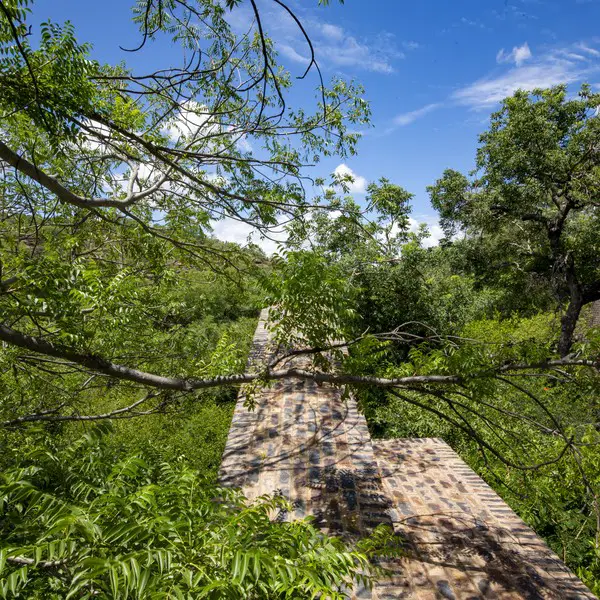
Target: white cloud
{"type": "Point", "coordinates": [217, 179]}
{"type": "Point", "coordinates": [335, 46]}
{"type": "Point", "coordinates": [292, 54]}
{"type": "Point", "coordinates": [148, 172]}
{"type": "Point", "coordinates": [518, 55]}
{"type": "Point", "coordinates": [191, 120]}
{"type": "Point", "coordinates": [347, 51]}
{"type": "Point", "coordinates": [359, 183]}
{"type": "Point", "coordinates": [239, 232]}
{"type": "Point", "coordinates": [332, 32]}
{"type": "Point", "coordinates": [572, 55]}
{"type": "Point", "coordinates": [552, 68]}
{"type": "Point", "coordinates": [435, 231]}
{"type": "Point", "coordinates": [93, 139]}
{"type": "Point", "coordinates": [195, 123]}
{"type": "Point", "coordinates": [244, 144]}
{"type": "Point", "coordinates": [433, 227]}
{"type": "Point", "coordinates": [409, 117]}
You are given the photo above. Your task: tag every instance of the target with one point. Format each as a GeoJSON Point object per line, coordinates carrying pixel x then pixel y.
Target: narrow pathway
{"type": "Point", "coordinates": [464, 542]}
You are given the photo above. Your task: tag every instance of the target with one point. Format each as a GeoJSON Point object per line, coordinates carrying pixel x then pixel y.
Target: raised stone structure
{"type": "Point", "coordinates": [463, 542]}
{"type": "Point", "coordinates": [595, 314]}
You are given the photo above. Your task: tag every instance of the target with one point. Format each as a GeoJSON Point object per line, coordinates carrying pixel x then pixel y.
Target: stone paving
{"type": "Point", "coordinates": [463, 539]}
{"type": "Point", "coordinates": [463, 542]}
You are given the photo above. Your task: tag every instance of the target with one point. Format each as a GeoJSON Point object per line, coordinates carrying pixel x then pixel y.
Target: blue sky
{"type": "Point", "coordinates": [433, 70]}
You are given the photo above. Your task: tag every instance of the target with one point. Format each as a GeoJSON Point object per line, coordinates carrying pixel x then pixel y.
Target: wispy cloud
{"type": "Point", "coordinates": [518, 55]}
{"type": "Point", "coordinates": [292, 54]}
{"type": "Point", "coordinates": [411, 45]}
{"type": "Point", "coordinates": [335, 46]}
{"type": "Point", "coordinates": [409, 117]}
{"type": "Point", "coordinates": [352, 53]}
{"type": "Point", "coordinates": [243, 144]}
{"type": "Point", "coordinates": [571, 64]}
{"type": "Point", "coordinates": [332, 32]}
{"type": "Point", "coordinates": [553, 68]}
{"type": "Point", "coordinates": [587, 49]}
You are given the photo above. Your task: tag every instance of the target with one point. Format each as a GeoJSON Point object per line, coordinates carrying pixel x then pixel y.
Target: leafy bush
{"type": "Point", "coordinates": [83, 522]}
{"type": "Point", "coordinates": [195, 435]}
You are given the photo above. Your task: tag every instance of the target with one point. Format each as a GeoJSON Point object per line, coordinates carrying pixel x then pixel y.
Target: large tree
{"type": "Point", "coordinates": [535, 194]}
{"type": "Point", "coordinates": [111, 178]}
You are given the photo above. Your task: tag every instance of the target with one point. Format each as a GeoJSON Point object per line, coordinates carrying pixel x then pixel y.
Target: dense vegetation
{"type": "Point", "coordinates": [126, 325]}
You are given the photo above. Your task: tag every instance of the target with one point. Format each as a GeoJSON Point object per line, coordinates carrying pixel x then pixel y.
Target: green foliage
{"type": "Point", "coordinates": [536, 140]}
{"type": "Point", "coordinates": [194, 432]}
{"type": "Point", "coordinates": [184, 325]}
{"type": "Point", "coordinates": [50, 84]}
{"type": "Point", "coordinates": [538, 154]}
{"type": "Point", "coordinates": [105, 248]}
{"type": "Point", "coordinates": [421, 290]}
{"type": "Point", "coordinates": [115, 181]}
{"type": "Point", "coordinates": [532, 208]}
{"type": "Point", "coordinates": [449, 196]}
{"type": "Point", "coordinates": [311, 300]}
{"type": "Point", "coordinates": [117, 178]}
{"type": "Point", "coordinates": [83, 521]}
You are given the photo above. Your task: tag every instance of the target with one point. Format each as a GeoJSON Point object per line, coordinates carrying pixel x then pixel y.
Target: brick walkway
{"type": "Point", "coordinates": [463, 541]}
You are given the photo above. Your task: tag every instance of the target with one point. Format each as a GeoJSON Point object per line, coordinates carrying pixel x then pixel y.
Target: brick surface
{"type": "Point", "coordinates": [595, 314]}
{"type": "Point", "coordinates": [305, 443]}
{"type": "Point", "coordinates": [462, 541]}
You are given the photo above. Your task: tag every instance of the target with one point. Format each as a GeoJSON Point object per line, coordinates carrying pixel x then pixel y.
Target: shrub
{"type": "Point", "coordinates": [82, 522]}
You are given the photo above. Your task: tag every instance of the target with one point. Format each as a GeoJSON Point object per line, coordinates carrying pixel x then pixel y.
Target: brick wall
{"type": "Point", "coordinates": [595, 314]}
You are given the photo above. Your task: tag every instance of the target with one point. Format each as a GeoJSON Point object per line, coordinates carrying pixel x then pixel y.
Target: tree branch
{"type": "Point", "coordinates": [44, 564]}
{"type": "Point", "coordinates": [120, 413]}
{"type": "Point", "coordinates": [64, 194]}
{"type": "Point", "coordinates": [101, 365]}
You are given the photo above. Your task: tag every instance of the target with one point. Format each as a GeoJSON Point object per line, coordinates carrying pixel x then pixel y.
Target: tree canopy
{"type": "Point", "coordinates": [536, 193]}
{"type": "Point", "coordinates": [110, 174]}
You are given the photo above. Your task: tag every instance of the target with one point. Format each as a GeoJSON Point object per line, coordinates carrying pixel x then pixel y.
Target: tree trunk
{"type": "Point", "coordinates": [568, 324]}
{"type": "Point", "coordinates": [564, 263]}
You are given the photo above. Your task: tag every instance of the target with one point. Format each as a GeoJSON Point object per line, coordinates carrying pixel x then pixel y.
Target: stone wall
{"type": "Point", "coordinates": [595, 314]}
